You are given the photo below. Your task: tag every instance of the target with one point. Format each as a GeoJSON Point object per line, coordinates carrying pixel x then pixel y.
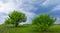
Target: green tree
{"type": "Point", "coordinates": [9, 21]}
{"type": "Point", "coordinates": [43, 21]}
{"type": "Point", "coordinates": [15, 17]}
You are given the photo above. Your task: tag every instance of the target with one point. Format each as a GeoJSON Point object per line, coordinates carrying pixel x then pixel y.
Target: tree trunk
{"type": "Point", "coordinates": [16, 24]}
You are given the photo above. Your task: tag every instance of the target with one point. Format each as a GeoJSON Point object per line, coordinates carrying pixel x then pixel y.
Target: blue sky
{"type": "Point", "coordinates": [31, 8]}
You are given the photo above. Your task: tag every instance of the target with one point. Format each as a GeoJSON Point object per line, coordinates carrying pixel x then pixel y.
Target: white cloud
{"type": "Point", "coordinates": [10, 6]}
{"type": "Point", "coordinates": [2, 19]}
{"type": "Point", "coordinates": [26, 6]}
{"type": "Point", "coordinates": [50, 2]}
{"type": "Point", "coordinates": [58, 20]}
{"type": "Point", "coordinates": [56, 8]}
{"type": "Point", "coordinates": [7, 7]}
{"type": "Point", "coordinates": [30, 5]}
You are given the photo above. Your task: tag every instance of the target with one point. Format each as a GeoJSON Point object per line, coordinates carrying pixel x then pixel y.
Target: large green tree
{"type": "Point", "coordinates": [15, 18]}
{"type": "Point", "coordinates": [43, 21]}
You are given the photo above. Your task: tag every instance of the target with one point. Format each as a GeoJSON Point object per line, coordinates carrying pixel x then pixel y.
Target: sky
{"type": "Point", "coordinates": [31, 8]}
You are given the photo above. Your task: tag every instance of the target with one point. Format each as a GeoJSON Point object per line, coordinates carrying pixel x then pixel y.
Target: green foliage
{"type": "Point", "coordinates": [18, 16]}
{"type": "Point", "coordinates": [43, 21]}
{"type": "Point", "coordinates": [15, 17]}
{"type": "Point", "coordinates": [9, 21]}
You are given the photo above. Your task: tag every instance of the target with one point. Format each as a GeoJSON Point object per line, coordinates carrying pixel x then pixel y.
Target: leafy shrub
{"type": "Point", "coordinates": [42, 22]}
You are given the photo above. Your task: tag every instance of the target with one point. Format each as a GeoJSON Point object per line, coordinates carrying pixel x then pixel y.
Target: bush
{"type": "Point", "coordinates": [42, 22]}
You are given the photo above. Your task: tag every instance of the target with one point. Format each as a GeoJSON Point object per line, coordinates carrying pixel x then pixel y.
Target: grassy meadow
{"type": "Point", "coordinates": [27, 29]}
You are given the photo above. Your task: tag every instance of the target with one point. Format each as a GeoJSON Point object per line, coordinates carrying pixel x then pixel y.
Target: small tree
{"type": "Point", "coordinates": [43, 21]}
{"type": "Point", "coordinates": [16, 17]}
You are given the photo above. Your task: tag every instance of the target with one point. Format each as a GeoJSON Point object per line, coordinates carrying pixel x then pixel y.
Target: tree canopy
{"type": "Point", "coordinates": [16, 17]}
{"type": "Point", "coordinates": [44, 21]}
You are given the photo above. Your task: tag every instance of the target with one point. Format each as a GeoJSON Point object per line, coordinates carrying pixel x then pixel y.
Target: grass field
{"type": "Point", "coordinates": [27, 29]}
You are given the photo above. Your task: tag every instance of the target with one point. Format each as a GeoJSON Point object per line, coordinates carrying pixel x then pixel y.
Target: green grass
{"type": "Point", "coordinates": [27, 29]}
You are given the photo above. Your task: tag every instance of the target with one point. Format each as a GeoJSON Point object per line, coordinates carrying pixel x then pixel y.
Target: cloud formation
{"type": "Point", "coordinates": [9, 6]}
{"type": "Point", "coordinates": [30, 7]}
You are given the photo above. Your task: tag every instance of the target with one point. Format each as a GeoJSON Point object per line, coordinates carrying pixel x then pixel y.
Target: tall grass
{"type": "Point", "coordinates": [27, 29]}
